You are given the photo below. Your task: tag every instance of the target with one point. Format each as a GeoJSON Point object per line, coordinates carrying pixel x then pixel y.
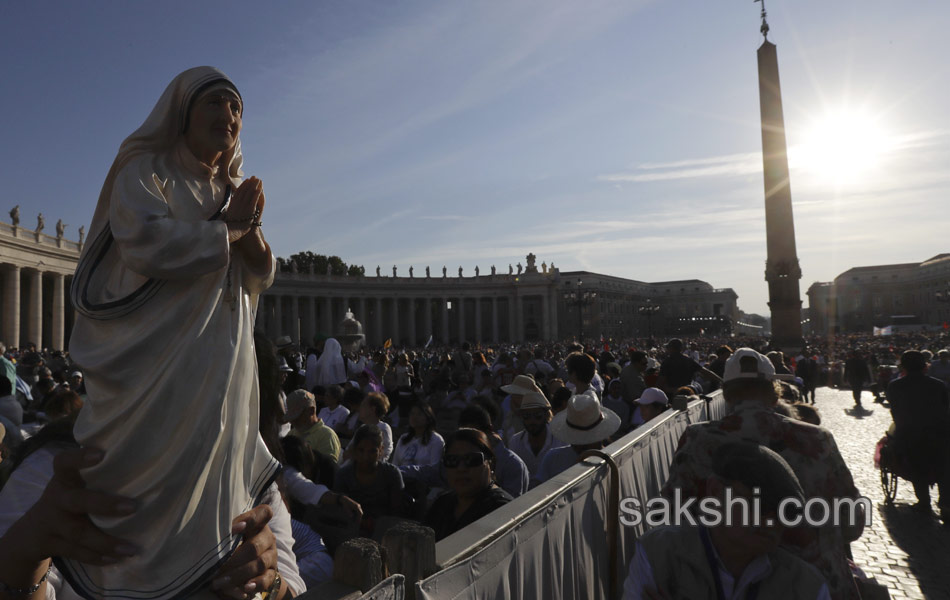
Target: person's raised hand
{"type": "Point", "coordinates": [59, 525]}
{"type": "Point", "coordinates": [253, 566]}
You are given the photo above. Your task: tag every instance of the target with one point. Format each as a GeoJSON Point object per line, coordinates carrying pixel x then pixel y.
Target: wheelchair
{"type": "Point", "coordinates": [893, 467]}
{"type": "Point", "coordinates": [885, 459]}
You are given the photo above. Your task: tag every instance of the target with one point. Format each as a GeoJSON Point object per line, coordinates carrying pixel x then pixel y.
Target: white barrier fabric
{"type": "Point", "coordinates": [391, 588]}
{"type": "Point", "coordinates": [558, 545]}
{"type": "Point", "coordinates": [540, 557]}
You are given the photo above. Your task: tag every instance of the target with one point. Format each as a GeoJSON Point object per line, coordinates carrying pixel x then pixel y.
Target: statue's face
{"type": "Point", "coordinates": [214, 122]}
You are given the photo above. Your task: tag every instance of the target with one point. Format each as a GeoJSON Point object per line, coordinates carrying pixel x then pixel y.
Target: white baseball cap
{"type": "Point", "coordinates": [653, 396]}
{"type": "Point", "coordinates": [746, 363]}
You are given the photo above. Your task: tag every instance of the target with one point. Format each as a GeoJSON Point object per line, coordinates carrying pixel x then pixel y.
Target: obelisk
{"type": "Point", "coordinates": [782, 271]}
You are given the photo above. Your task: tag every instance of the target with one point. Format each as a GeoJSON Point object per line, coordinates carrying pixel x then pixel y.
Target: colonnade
{"type": "Point", "coordinates": [411, 320]}
{"type": "Point", "coordinates": [35, 307]}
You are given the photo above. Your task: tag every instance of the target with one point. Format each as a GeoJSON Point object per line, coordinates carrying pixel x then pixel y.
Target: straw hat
{"type": "Point", "coordinates": [522, 385]}
{"type": "Point", "coordinates": [534, 400]}
{"type": "Point", "coordinates": [584, 421]}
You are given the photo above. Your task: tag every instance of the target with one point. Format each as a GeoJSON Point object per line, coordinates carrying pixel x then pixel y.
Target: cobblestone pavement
{"type": "Point", "coordinates": [907, 551]}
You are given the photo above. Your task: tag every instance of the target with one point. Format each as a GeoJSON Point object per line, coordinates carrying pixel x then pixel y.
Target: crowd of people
{"type": "Point", "coordinates": [445, 436]}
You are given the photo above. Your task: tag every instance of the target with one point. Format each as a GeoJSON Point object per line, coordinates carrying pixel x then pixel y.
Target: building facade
{"type": "Point", "coordinates": [36, 270]}
{"type": "Point", "coordinates": [592, 304]}
{"type": "Point", "coordinates": [913, 295]}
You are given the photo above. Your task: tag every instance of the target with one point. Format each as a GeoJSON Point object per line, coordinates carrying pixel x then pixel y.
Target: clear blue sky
{"type": "Point", "coordinates": [619, 137]}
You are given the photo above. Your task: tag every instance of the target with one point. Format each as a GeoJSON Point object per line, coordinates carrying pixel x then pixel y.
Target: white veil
{"type": "Point", "coordinates": [330, 368]}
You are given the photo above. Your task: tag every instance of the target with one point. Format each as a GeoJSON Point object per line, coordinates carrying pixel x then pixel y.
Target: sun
{"type": "Point", "coordinates": [843, 146]}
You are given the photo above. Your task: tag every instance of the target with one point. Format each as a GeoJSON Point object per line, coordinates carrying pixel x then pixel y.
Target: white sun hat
{"type": "Point", "coordinates": [584, 421]}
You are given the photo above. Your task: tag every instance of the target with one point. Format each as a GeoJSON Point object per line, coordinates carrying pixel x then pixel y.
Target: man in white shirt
{"type": "Point", "coordinates": [539, 365]}
{"type": "Point", "coordinates": [584, 425]}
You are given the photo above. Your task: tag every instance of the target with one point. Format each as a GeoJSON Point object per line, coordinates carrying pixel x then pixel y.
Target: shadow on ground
{"type": "Point", "coordinates": [927, 544]}
{"type": "Point", "coordinates": [858, 412]}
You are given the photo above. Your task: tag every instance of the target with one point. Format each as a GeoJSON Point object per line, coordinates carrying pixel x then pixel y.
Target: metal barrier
{"type": "Point", "coordinates": [551, 541]}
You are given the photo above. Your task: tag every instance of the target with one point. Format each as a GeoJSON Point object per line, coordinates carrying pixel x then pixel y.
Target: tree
{"type": "Point", "coordinates": [319, 262]}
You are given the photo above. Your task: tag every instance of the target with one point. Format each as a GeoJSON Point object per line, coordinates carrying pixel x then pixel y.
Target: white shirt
{"type": "Point", "coordinates": [538, 365]}
{"type": "Point", "coordinates": [556, 461]}
{"type": "Point", "coordinates": [521, 445]}
{"type": "Point", "coordinates": [302, 489]}
{"type": "Point", "coordinates": [417, 453]}
{"type": "Point", "coordinates": [334, 417]}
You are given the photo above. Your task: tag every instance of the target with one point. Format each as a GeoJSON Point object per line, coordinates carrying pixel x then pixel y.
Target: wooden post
{"type": "Point", "coordinates": [359, 562]}
{"type": "Point", "coordinates": [411, 550]}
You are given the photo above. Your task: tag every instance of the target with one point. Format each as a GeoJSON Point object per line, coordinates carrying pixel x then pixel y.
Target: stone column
{"type": "Point", "coordinates": [545, 318]}
{"type": "Point", "coordinates": [326, 318]}
{"type": "Point", "coordinates": [427, 303]}
{"type": "Point", "coordinates": [59, 312]}
{"type": "Point", "coordinates": [279, 315]}
{"type": "Point", "coordinates": [315, 314]}
{"type": "Point", "coordinates": [34, 332]}
{"type": "Point", "coordinates": [494, 319]}
{"type": "Point", "coordinates": [378, 335]}
{"type": "Point", "coordinates": [519, 316]}
{"type": "Point", "coordinates": [307, 328]}
{"type": "Point", "coordinates": [395, 333]}
{"type": "Point", "coordinates": [295, 318]}
{"type": "Point", "coordinates": [11, 306]}
{"type": "Point", "coordinates": [412, 321]}
{"type": "Point", "coordinates": [461, 319]}
{"type": "Point", "coordinates": [512, 324]}
{"type": "Point", "coordinates": [361, 307]}
{"type": "Point", "coordinates": [478, 320]}
{"type": "Point", "coordinates": [552, 309]}
{"type": "Point", "coordinates": [445, 321]}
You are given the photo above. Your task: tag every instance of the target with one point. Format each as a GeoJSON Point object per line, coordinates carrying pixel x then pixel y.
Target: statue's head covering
{"type": "Point", "coordinates": [164, 127]}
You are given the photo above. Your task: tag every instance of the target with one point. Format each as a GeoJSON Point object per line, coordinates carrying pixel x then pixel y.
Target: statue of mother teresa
{"type": "Point", "coordinates": [166, 295]}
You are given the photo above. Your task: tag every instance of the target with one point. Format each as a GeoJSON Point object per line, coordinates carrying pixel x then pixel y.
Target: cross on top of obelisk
{"type": "Point", "coordinates": [765, 25]}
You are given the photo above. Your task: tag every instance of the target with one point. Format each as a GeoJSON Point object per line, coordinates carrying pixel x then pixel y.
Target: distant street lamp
{"type": "Point", "coordinates": [943, 296]}
{"type": "Point", "coordinates": [649, 309]}
{"type": "Point", "coordinates": [579, 298]}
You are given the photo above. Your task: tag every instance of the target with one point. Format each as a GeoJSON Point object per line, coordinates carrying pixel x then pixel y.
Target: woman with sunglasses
{"type": "Point", "coordinates": [469, 469]}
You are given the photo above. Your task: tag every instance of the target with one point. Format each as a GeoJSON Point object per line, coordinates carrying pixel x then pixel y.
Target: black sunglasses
{"type": "Point", "coordinates": [471, 459]}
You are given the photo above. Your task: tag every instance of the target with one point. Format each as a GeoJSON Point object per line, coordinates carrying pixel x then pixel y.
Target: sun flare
{"type": "Point", "coordinates": [843, 146]}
